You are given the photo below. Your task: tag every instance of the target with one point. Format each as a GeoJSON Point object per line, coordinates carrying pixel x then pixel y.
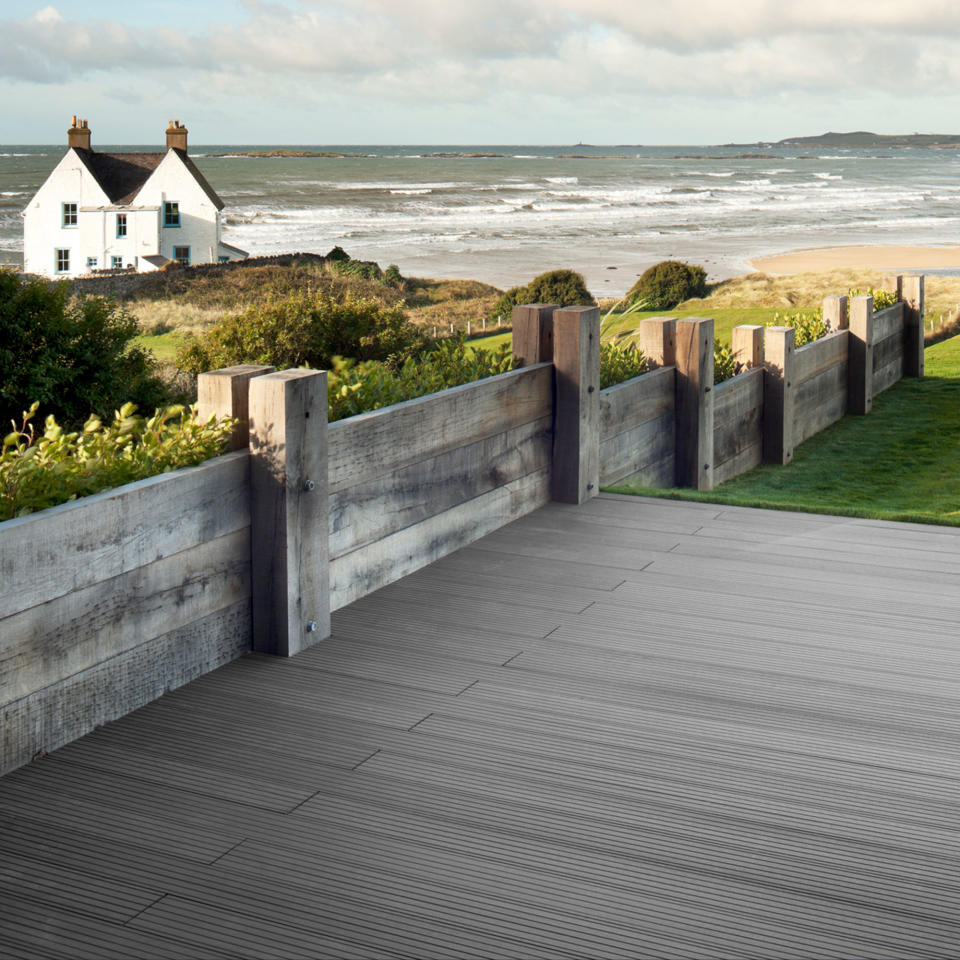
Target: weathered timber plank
{"type": "Point", "coordinates": [55, 715]}
{"type": "Point", "coordinates": [576, 433]}
{"type": "Point", "coordinates": [657, 473]}
{"type": "Point", "coordinates": [885, 377]}
{"type": "Point", "coordinates": [778, 394]}
{"type": "Point", "coordinates": [860, 356]}
{"type": "Point", "coordinates": [376, 443]}
{"type": "Point", "coordinates": [743, 460]}
{"type": "Point", "coordinates": [747, 344]}
{"type": "Point", "coordinates": [836, 313]}
{"type": "Point", "coordinates": [533, 333]}
{"type": "Point", "coordinates": [365, 570]}
{"type": "Point", "coordinates": [657, 338]}
{"type": "Point", "coordinates": [820, 401]}
{"type": "Point", "coordinates": [888, 351]}
{"type": "Point", "coordinates": [888, 323]}
{"type": "Point", "coordinates": [378, 507]}
{"type": "Point", "coordinates": [52, 641]}
{"type": "Point", "coordinates": [694, 403]}
{"type": "Point", "coordinates": [815, 358]}
{"type": "Point", "coordinates": [226, 393]}
{"type": "Point", "coordinates": [74, 545]}
{"type": "Point", "coordinates": [737, 415]}
{"type": "Point", "coordinates": [634, 402]}
{"type": "Point", "coordinates": [913, 313]}
{"type": "Point", "coordinates": [637, 450]}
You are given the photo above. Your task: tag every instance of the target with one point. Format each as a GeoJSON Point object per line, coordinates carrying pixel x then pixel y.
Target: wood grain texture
{"type": "Point", "coordinates": [835, 313]}
{"type": "Point", "coordinates": [641, 451]}
{"type": "Point", "coordinates": [657, 338]}
{"type": "Point", "coordinates": [411, 494]}
{"type": "Point", "coordinates": [737, 421]}
{"type": "Point", "coordinates": [47, 643]}
{"type": "Point", "coordinates": [741, 745]}
{"type": "Point", "coordinates": [913, 314]}
{"type": "Point", "coordinates": [819, 401]}
{"type": "Point", "coordinates": [747, 344]}
{"type": "Point", "coordinates": [533, 333]}
{"type": "Point", "coordinates": [576, 436]}
{"type": "Point", "coordinates": [694, 404]}
{"type": "Point", "coordinates": [288, 510]}
{"type": "Point", "coordinates": [888, 323]}
{"type": "Point", "coordinates": [374, 444]}
{"type": "Point", "coordinates": [226, 393]}
{"type": "Point", "coordinates": [778, 392]}
{"type": "Point", "coordinates": [860, 369]}
{"type": "Point", "coordinates": [367, 569]}
{"type": "Point", "coordinates": [75, 545]}
{"type": "Point", "coordinates": [632, 403]}
{"type": "Point", "coordinates": [812, 359]}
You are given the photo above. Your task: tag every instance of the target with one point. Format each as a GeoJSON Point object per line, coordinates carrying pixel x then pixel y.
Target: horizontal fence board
{"type": "Point", "coordinates": [374, 566]}
{"type": "Point", "coordinates": [49, 642]}
{"type": "Point", "coordinates": [887, 352]}
{"type": "Point", "coordinates": [888, 323]}
{"type": "Point", "coordinates": [638, 449]}
{"type": "Point", "coordinates": [886, 377]}
{"type": "Point", "coordinates": [381, 506]}
{"type": "Point", "coordinates": [737, 420]}
{"type": "Point", "coordinates": [59, 713]}
{"type": "Point", "coordinates": [745, 459]}
{"type": "Point", "coordinates": [634, 402]}
{"type": "Point", "coordinates": [815, 358]}
{"type": "Point", "coordinates": [48, 554]}
{"type": "Point", "coordinates": [820, 402]}
{"type": "Point", "coordinates": [374, 444]}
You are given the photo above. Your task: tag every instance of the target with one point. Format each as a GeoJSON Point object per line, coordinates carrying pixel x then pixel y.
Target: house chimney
{"type": "Point", "coordinates": [177, 136]}
{"type": "Point", "coordinates": [79, 134]}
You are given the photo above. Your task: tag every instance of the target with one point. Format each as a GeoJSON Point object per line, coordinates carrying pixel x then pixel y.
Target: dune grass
{"type": "Point", "coordinates": [902, 462]}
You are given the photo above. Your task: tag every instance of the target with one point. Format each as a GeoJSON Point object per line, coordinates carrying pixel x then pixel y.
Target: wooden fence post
{"type": "Point", "coordinates": [913, 306]}
{"type": "Point", "coordinates": [576, 426]}
{"type": "Point", "coordinates": [658, 341]}
{"type": "Point", "coordinates": [289, 517]}
{"type": "Point", "coordinates": [836, 313]}
{"type": "Point", "coordinates": [694, 404]}
{"type": "Point", "coordinates": [860, 363]}
{"type": "Point", "coordinates": [747, 343]}
{"type": "Point", "coordinates": [226, 393]}
{"type": "Point", "coordinates": [533, 333]}
{"type": "Point", "coordinates": [778, 394]}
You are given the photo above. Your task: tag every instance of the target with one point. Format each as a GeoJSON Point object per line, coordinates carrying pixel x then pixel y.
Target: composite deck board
{"type": "Point", "coordinates": [631, 728]}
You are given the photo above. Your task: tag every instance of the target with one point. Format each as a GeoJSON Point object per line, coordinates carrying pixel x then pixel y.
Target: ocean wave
{"type": "Point", "coordinates": [828, 176]}
{"type": "Point", "coordinates": [562, 179]}
{"type": "Point", "coordinates": [412, 192]}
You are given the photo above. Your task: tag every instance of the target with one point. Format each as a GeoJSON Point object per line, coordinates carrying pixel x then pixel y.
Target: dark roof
{"type": "Point", "coordinates": [122, 175]}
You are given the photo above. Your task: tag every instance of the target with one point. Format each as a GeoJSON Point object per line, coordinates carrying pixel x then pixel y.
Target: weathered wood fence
{"type": "Point", "coordinates": [110, 601]}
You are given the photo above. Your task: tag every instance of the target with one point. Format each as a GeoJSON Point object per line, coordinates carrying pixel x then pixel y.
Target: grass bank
{"type": "Point", "coordinates": [902, 462]}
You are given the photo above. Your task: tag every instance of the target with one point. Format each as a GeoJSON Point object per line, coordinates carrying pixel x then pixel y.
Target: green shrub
{"type": "Point", "coordinates": [565, 288]}
{"type": "Point", "coordinates": [725, 365]}
{"type": "Point", "coordinates": [881, 298]}
{"type": "Point", "coordinates": [393, 276]}
{"type": "Point", "coordinates": [71, 355]}
{"type": "Point", "coordinates": [355, 387]}
{"type": "Point", "coordinates": [807, 326]}
{"type": "Point", "coordinates": [619, 361]}
{"type": "Point", "coordinates": [38, 472]}
{"type": "Point", "coordinates": [359, 269]}
{"type": "Point", "coordinates": [304, 329]}
{"type": "Point", "coordinates": [337, 254]}
{"type": "Point", "coordinates": [668, 283]}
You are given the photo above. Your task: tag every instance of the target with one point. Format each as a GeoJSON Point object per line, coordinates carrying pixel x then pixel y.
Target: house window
{"type": "Point", "coordinates": [63, 260]}
{"type": "Point", "coordinates": [116, 262]}
{"type": "Point", "coordinates": [171, 214]}
{"type": "Point", "coordinates": [69, 214]}
{"type": "Point", "coordinates": [91, 263]}
{"type": "Point", "coordinates": [121, 224]}
{"type": "Point", "coordinates": [182, 255]}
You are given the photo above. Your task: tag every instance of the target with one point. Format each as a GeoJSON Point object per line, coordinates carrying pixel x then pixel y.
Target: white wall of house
{"type": "Point", "coordinates": [43, 230]}
{"type": "Point", "coordinates": [172, 182]}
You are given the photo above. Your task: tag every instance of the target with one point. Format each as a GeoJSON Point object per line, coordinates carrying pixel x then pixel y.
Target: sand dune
{"type": "Point", "coordinates": [860, 257]}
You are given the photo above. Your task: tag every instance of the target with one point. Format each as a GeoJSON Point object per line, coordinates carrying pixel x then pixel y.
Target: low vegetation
{"type": "Point", "coordinates": [72, 356]}
{"type": "Point", "coordinates": [42, 470]}
{"type": "Point", "coordinates": [668, 283]}
{"type": "Point", "coordinates": [564, 288]}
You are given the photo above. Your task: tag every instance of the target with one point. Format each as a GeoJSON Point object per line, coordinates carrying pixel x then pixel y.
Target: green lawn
{"type": "Point", "coordinates": [164, 346]}
{"type": "Point", "coordinates": [902, 462]}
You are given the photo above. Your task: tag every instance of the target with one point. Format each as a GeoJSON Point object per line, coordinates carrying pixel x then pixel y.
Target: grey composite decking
{"type": "Point", "coordinates": [634, 728]}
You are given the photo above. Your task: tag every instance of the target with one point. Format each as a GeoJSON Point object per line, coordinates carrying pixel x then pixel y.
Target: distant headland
{"type": "Point", "coordinates": [863, 138]}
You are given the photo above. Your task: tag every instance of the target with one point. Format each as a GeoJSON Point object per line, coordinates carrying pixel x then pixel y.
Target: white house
{"type": "Point", "coordinates": [103, 211]}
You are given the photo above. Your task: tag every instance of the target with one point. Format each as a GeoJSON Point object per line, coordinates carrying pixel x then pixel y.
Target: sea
{"type": "Point", "coordinates": [503, 214]}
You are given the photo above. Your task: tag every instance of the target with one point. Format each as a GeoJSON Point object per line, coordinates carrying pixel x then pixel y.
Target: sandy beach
{"type": "Point", "coordinates": [860, 257]}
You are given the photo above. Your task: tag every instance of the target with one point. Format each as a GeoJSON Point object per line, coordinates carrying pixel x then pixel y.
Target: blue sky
{"type": "Point", "coordinates": [477, 71]}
